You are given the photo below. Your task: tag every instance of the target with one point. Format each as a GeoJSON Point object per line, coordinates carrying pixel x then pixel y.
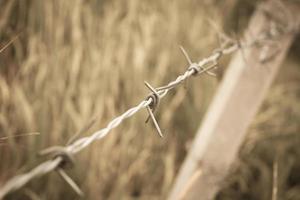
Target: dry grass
{"type": "Point", "coordinates": [78, 60]}
{"type": "Point", "coordinates": [88, 58]}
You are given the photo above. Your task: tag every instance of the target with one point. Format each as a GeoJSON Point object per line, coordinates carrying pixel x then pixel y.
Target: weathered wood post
{"type": "Point", "coordinates": [225, 125]}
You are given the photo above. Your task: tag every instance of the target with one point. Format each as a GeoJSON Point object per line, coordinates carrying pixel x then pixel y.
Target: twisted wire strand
{"type": "Point", "coordinates": [19, 181]}
{"type": "Point", "coordinates": [85, 141]}
{"type": "Point", "coordinates": [44, 168]}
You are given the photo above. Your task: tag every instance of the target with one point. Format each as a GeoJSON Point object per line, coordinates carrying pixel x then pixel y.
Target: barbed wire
{"type": "Point", "coordinates": [62, 156]}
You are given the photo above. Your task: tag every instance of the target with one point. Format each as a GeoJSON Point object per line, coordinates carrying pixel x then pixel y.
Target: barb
{"type": "Point", "coordinates": [150, 103]}
{"type": "Point", "coordinates": [67, 161]}
{"type": "Point", "coordinates": [194, 66]}
{"type": "Point", "coordinates": [70, 182]}
{"type": "Point", "coordinates": [151, 108]}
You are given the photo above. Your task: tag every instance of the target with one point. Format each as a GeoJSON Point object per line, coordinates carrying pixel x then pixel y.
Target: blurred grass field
{"type": "Point", "coordinates": [76, 61]}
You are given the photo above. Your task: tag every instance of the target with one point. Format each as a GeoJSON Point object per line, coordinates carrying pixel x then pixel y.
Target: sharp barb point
{"type": "Point", "coordinates": [71, 183]}
{"type": "Point", "coordinates": [186, 55]}
{"type": "Point", "coordinates": [151, 115]}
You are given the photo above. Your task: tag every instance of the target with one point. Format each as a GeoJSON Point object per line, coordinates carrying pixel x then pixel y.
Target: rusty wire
{"type": "Point", "coordinates": [64, 154]}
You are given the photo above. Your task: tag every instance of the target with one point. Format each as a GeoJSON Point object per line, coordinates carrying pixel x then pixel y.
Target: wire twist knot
{"type": "Point", "coordinates": [195, 68]}
{"type": "Point", "coordinates": [155, 100]}
{"type": "Point", "coordinates": [60, 151]}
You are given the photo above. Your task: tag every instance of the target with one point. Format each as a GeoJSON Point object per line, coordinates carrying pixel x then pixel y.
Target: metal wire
{"type": "Point", "coordinates": [229, 46]}
{"type": "Point", "coordinates": [20, 180]}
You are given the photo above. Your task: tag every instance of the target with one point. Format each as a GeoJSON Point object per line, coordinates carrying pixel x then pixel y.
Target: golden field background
{"type": "Point", "coordinates": [76, 60]}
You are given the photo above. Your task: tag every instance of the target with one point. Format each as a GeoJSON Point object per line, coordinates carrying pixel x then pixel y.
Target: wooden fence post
{"type": "Point", "coordinates": [225, 125]}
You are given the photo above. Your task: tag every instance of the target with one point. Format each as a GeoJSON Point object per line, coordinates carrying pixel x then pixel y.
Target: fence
{"type": "Point", "coordinates": [62, 156]}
